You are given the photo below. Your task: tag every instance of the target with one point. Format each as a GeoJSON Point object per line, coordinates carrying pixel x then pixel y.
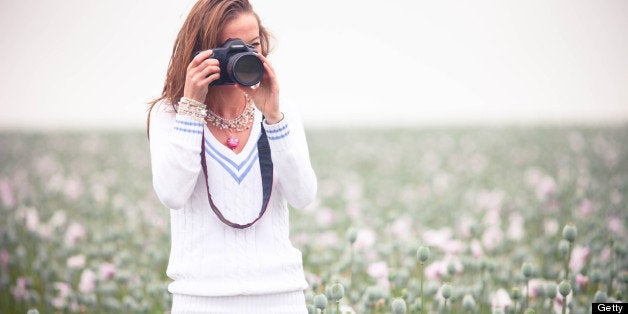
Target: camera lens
{"type": "Point", "coordinates": [246, 68]}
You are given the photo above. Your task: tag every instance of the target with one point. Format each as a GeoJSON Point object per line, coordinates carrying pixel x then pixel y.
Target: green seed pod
{"type": "Point", "coordinates": [337, 292]}
{"type": "Point", "coordinates": [352, 235]}
{"type": "Point", "coordinates": [446, 291]}
{"type": "Point", "coordinates": [570, 232]}
{"type": "Point", "coordinates": [309, 296]}
{"type": "Point", "coordinates": [451, 268]}
{"type": "Point", "coordinates": [311, 309]}
{"type": "Point", "coordinates": [527, 270]}
{"type": "Point", "coordinates": [32, 311]}
{"type": "Point", "coordinates": [541, 291]}
{"type": "Point", "coordinates": [399, 306]}
{"type": "Point", "coordinates": [423, 254]}
{"type": "Point", "coordinates": [416, 306]}
{"type": "Point", "coordinates": [564, 288]}
{"type": "Point", "coordinates": [491, 266]}
{"type": "Point", "coordinates": [516, 294]}
{"type": "Point", "coordinates": [600, 297]}
{"type": "Point", "coordinates": [468, 303]}
{"type": "Point", "coordinates": [551, 290]}
{"type": "Point", "coordinates": [328, 292]}
{"type": "Point", "coordinates": [529, 311]}
{"type": "Point", "coordinates": [595, 276]}
{"type": "Point", "coordinates": [314, 286]}
{"type": "Point", "coordinates": [320, 301]}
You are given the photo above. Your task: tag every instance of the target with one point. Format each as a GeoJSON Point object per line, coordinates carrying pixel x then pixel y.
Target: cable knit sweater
{"type": "Point", "coordinates": [207, 257]}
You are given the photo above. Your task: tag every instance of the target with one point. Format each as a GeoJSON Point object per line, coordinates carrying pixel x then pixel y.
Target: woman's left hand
{"type": "Point", "coordinates": [266, 95]}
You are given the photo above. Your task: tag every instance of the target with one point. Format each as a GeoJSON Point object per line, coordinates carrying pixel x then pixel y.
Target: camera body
{"type": "Point", "coordinates": [239, 64]}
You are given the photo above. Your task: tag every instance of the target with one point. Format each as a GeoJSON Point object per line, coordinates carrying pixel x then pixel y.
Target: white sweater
{"type": "Point", "coordinates": [207, 257]}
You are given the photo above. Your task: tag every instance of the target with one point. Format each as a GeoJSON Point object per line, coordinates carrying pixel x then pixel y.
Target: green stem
{"type": "Point", "coordinates": [568, 260]}
{"type": "Point", "coordinates": [422, 300]}
{"type": "Point", "coordinates": [527, 304]}
{"type": "Point", "coordinates": [611, 275]}
{"type": "Point", "coordinates": [564, 305]}
{"type": "Point", "coordinates": [351, 258]}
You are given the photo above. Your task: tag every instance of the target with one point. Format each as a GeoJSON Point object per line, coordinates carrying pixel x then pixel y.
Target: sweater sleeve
{"type": "Point", "coordinates": [175, 148]}
{"type": "Point", "coordinates": [291, 160]}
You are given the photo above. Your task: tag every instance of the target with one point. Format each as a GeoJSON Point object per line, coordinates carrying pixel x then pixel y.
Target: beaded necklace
{"type": "Point", "coordinates": [235, 125]}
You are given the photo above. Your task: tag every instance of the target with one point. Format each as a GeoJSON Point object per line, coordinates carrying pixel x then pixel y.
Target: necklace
{"type": "Point", "coordinates": [235, 125]}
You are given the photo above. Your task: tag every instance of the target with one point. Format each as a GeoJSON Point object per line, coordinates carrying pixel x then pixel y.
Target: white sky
{"type": "Point", "coordinates": [94, 64]}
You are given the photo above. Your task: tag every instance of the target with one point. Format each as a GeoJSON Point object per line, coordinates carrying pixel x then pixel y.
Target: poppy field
{"type": "Point", "coordinates": [527, 219]}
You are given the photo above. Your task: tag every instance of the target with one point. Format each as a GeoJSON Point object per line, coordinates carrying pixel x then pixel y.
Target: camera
{"type": "Point", "coordinates": [239, 63]}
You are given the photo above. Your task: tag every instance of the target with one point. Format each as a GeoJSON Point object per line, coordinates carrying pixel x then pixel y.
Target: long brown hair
{"type": "Point", "coordinates": [201, 31]}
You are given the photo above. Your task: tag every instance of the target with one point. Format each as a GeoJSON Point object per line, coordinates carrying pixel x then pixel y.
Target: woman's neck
{"type": "Point", "coordinates": [226, 101]}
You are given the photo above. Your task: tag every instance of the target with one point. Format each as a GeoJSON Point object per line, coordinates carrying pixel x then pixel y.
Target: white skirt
{"type": "Point", "coordinates": [280, 303]}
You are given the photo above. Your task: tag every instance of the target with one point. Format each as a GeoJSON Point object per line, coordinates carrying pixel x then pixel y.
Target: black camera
{"type": "Point", "coordinates": [239, 63]}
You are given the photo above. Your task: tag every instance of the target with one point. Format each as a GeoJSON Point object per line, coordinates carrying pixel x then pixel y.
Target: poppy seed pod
{"type": "Point", "coordinates": [526, 270]}
{"type": "Point", "coordinates": [399, 306]}
{"type": "Point", "coordinates": [564, 288]}
{"type": "Point", "coordinates": [600, 297]}
{"type": "Point", "coordinates": [337, 292]}
{"type": "Point", "coordinates": [570, 232]}
{"type": "Point", "coordinates": [446, 291]}
{"type": "Point", "coordinates": [320, 301]}
{"type": "Point", "coordinates": [550, 290]}
{"type": "Point", "coordinates": [423, 254]}
{"type": "Point", "coordinates": [468, 303]}
{"type": "Point", "coordinates": [516, 294]}
{"type": "Point", "coordinates": [352, 235]}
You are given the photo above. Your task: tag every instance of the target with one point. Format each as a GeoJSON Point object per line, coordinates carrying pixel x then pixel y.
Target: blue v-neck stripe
{"type": "Point", "coordinates": [234, 169]}
{"type": "Point", "coordinates": [227, 159]}
{"type": "Point", "coordinates": [229, 170]}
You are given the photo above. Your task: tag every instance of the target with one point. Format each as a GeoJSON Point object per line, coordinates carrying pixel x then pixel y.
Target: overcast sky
{"type": "Point", "coordinates": [94, 64]}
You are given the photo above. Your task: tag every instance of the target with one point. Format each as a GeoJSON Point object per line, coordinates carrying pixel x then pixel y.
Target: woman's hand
{"type": "Point", "coordinates": [200, 73]}
{"type": "Point", "coordinates": [266, 95]}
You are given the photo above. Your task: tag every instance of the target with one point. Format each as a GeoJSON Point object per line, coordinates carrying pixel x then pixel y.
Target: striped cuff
{"type": "Point", "coordinates": [186, 130]}
{"type": "Point", "coordinates": [278, 134]}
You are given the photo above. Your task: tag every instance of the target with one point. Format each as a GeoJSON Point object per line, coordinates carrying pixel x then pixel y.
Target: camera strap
{"type": "Point", "coordinates": [266, 169]}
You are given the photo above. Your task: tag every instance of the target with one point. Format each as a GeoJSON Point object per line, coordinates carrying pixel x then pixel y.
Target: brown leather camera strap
{"type": "Point", "coordinates": [266, 169]}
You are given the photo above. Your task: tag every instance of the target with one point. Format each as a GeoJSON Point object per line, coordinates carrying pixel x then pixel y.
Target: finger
{"type": "Point", "coordinates": [200, 58]}
{"type": "Point", "coordinates": [209, 79]}
{"type": "Point", "coordinates": [264, 59]}
{"type": "Point", "coordinates": [203, 70]}
{"type": "Point", "coordinates": [269, 69]}
{"type": "Point", "coordinates": [210, 62]}
{"type": "Point", "coordinates": [209, 70]}
{"type": "Point", "coordinates": [267, 63]}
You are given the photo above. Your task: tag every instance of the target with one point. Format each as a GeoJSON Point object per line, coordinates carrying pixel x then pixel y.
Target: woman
{"type": "Point", "coordinates": [230, 250]}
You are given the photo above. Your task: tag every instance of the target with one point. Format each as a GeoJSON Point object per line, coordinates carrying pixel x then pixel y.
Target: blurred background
{"type": "Point", "coordinates": [491, 133]}
{"type": "Point", "coordinates": [94, 64]}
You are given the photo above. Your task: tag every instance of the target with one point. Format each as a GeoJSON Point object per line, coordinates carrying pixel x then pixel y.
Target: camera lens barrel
{"type": "Point", "coordinates": [245, 68]}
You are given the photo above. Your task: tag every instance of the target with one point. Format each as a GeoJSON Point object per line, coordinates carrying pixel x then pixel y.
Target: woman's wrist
{"type": "Point", "coordinates": [274, 118]}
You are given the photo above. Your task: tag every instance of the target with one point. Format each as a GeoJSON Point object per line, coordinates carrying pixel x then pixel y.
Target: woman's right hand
{"type": "Point", "coordinates": [200, 73]}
